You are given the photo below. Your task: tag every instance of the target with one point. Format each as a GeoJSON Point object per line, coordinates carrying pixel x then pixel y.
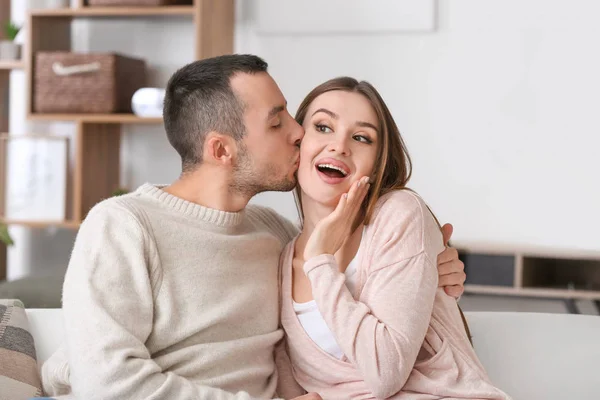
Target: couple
{"type": "Point", "coordinates": [181, 291]}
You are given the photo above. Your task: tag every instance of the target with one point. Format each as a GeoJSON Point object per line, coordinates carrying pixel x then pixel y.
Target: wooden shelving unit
{"type": "Point", "coordinates": [85, 11]}
{"type": "Point", "coordinates": [97, 141]}
{"type": "Point", "coordinates": [513, 270]}
{"type": "Point", "coordinates": [96, 172]}
{"type": "Point", "coordinates": [10, 65]}
{"type": "Point", "coordinates": [5, 68]}
{"type": "Point", "coordinates": [96, 118]}
{"type": "Point", "coordinates": [43, 224]}
{"type": "Point", "coordinates": [549, 293]}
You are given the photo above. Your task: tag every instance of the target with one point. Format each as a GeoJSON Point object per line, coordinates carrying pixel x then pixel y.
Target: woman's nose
{"type": "Point", "coordinates": [339, 145]}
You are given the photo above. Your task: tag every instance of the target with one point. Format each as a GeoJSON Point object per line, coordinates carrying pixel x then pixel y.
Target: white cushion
{"type": "Point", "coordinates": [539, 356]}
{"type": "Point", "coordinates": [528, 355]}
{"type": "Point", "coordinates": [47, 328]}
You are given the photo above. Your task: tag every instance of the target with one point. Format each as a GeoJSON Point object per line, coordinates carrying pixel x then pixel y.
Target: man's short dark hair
{"type": "Point", "coordinates": [199, 99]}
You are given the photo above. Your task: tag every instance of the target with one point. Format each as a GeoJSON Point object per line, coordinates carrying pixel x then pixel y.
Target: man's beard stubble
{"type": "Point", "coordinates": [249, 181]}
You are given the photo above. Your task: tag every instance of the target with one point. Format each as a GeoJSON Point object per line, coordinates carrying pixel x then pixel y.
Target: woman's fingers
{"type": "Point", "coordinates": [354, 189]}
{"type": "Point", "coordinates": [349, 203]}
{"type": "Point", "coordinates": [359, 191]}
{"type": "Point", "coordinates": [331, 232]}
{"type": "Point", "coordinates": [341, 206]}
{"type": "Point", "coordinates": [346, 201]}
{"type": "Point", "coordinates": [364, 189]}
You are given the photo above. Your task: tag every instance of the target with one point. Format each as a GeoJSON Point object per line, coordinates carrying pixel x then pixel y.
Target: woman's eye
{"type": "Point", "coordinates": [276, 126]}
{"type": "Point", "coordinates": [363, 139]}
{"type": "Point", "coordinates": [323, 128]}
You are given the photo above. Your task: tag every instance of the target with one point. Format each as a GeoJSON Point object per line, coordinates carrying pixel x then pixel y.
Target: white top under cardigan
{"type": "Point", "coordinates": [312, 321]}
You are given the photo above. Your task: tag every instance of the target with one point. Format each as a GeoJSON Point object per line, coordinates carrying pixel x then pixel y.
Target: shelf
{"type": "Point", "coordinates": [114, 11]}
{"type": "Point", "coordinates": [8, 65]}
{"type": "Point", "coordinates": [44, 224]}
{"type": "Point", "coordinates": [534, 292]}
{"type": "Point", "coordinates": [524, 250]}
{"type": "Point", "coordinates": [96, 118]}
{"type": "Point", "coordinates": [489, 269]}
{"type": "Point", "coordinates": [531, 271]}
{"type": "Point", "coordinates": [565, 274]}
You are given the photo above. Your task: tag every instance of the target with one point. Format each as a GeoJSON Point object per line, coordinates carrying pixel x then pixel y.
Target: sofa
{"type": "Point", "coordinates": [37, 291]}
{"type": "Point", "coordinates": [529, 355]}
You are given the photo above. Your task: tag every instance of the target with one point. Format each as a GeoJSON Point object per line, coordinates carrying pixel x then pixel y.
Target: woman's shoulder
{"type": "Point", "coordinates": [403, 217]}
{"type": "Point", "coordinates": [399, 202]}
{"type": "Point", "coordinates": [405, 195]}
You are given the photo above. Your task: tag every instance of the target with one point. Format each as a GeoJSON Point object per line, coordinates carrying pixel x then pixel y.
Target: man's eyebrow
{"type": "Point", "coordinates": [326, 111]}
{"type": "Point", "coordinates": [274, 111]}
{"type": "Point", "coordinates": [335, 116]}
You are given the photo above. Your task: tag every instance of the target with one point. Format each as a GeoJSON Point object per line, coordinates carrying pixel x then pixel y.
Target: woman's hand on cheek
{"type": "Point", "coordinates": [332, 231]}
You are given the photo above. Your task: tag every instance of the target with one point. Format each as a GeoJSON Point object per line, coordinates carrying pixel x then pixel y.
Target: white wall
{"type": "Point", "coordinates": [497, 105]}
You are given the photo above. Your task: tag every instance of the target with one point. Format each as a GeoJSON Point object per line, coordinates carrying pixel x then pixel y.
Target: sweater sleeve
{"type": "Point", "coordinates": [108, 309]}
{"type": "Point", "coordinates": [382, 333]}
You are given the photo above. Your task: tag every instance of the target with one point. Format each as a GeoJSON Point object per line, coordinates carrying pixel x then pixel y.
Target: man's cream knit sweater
{"type": "Point", "coordinates": [166, 299]}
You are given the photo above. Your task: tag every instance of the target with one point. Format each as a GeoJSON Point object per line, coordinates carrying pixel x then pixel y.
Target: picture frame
{"type": "Point", "coordinates": [34, 175]}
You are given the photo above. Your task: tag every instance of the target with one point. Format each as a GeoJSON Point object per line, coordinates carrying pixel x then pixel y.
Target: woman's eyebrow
{"type": "Point", "coordinates": [326, 111]}
{"type": "Point", "coordinates": [335, 116]}
{"type": "Point", "coordinates": [367, 125]}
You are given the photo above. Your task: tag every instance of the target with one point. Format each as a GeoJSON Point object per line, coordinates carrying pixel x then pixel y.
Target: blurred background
{"type": "Point", "coordinates": [496, 100]}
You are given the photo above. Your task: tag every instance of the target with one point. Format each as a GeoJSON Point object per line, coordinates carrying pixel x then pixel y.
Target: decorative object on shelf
{"type": "Point", "coordinates": [66, 82]}
{"type": "Point", "coordinates": [36, 177]}
{"type": "Point", "coordinates": [47, 4]}
{"type": "Point", "coordinates": [9, 48]}
{"type": "Point", "coordinates": [5, 235]}
{"type": "Point", "coordinates": [148, 102]}
{"type": "Point", "coordinates": [120, 192]}
{"type": "Point", "coordinates": [138, 2]}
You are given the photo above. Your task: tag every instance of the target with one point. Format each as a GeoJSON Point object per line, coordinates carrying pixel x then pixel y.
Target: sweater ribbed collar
{"type": "Point", "coordinates": [179, 205]}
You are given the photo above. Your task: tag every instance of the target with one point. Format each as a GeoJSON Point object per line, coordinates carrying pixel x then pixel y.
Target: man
{"type": "Point", "coordinates": [172, 292]}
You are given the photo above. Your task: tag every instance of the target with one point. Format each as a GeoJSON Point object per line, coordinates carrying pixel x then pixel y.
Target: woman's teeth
{"type": "Point", "coordinates": [324, 167]}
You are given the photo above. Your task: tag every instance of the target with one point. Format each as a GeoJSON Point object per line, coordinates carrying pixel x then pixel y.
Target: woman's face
{"type": "Point", "coordinates": [339, 145]}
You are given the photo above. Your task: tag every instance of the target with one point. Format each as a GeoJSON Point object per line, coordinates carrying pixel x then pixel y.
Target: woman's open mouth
{"type": "Point", "coordinates": [332, 171]}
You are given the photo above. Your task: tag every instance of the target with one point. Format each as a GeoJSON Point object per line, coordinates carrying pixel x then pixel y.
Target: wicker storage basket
{"type": "Point", "coordinates": [67, 82]}
{"type": "Point", "coordinates": [137, 2]}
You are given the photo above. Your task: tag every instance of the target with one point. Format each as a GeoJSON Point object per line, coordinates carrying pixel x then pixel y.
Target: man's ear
{"type": "Point", "coordinates": [219, 149]}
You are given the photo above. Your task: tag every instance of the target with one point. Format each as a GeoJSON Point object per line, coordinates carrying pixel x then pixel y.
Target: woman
{"type": "Point", "coordinates": [361, 308]}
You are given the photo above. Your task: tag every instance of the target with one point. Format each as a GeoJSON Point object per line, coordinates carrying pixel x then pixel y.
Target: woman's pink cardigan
{"type": "Point", "coordinates": [402, 336]}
